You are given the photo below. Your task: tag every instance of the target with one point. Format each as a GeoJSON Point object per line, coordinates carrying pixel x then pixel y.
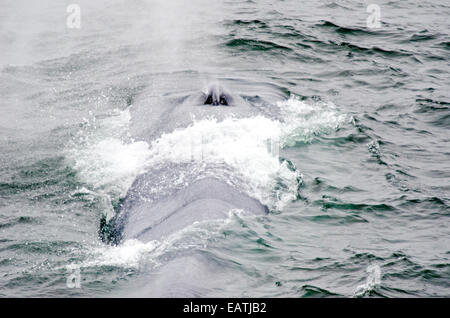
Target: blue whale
{"type": "Point", "coordinates": [146, 216]}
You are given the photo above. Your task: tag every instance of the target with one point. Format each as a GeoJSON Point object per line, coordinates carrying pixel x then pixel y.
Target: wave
{"type": "Point", "coordinates": [256, 45]}
{"type": "Point", "coordinates": [347, 30]}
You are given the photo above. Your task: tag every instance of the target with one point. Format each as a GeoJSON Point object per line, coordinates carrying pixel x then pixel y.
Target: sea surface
{"type": "Point", "coordinates": [359, 193]}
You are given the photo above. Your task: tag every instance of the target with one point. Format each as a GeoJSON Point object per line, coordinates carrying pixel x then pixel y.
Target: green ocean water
{"type": "Point", "coordinates": [370, 216]}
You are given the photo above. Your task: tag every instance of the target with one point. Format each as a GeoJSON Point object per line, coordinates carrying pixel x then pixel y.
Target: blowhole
{"type": "Point", "coordinates": [216, 101]}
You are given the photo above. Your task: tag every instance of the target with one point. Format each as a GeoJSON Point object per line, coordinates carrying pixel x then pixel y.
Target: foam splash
{"type": "Point", "coordinates": [104, 155]}
{"type": "Point", "coordinates": [303, 121]}
{"type": "Point", "coordinates": [111, 163]}
{"type": "Point", "coordinates": [135, 254]}
{"type": "Point", "coordinates": [250, 146]}
{"type": "Point", "coordinates": [129, 254]}
{"type": "Point", "coordinates": [239, 144]}
{"type": "Point", "coordinates": [108, 160]}
{"type": "Point", "coordinates": [373, 280]}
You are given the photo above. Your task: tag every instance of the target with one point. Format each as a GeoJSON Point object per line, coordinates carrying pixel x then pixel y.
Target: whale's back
{"type": "Point", "coordinates": [205, 199]}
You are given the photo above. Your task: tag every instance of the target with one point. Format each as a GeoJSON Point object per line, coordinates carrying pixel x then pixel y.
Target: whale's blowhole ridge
{"type": "Point", "coordinates": [216, 96]}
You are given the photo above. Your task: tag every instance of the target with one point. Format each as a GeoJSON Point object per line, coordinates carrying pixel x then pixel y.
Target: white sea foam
{"type": "Point", "coordinates": [133, 253]}
{"type": "Point", "coordinates": [108, 160]}
{"type": "Point", "coordinates": [373, 280]}
{"type": "Point", "coordinates": [303, 121]}
{"type": "Point", "coordinates": [237, 143]}
{"type": "Point", "coordinates": [104, 156]}
{"type": "Point", "coordinates": [249, 146]}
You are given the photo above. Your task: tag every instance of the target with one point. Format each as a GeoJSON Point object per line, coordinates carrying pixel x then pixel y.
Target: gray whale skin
{"type": "Point", "coordinates": [190, 273]}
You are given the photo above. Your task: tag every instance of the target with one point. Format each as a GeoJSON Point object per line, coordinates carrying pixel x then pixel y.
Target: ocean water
{"type": "Point", "coordinates": [358, 115]}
